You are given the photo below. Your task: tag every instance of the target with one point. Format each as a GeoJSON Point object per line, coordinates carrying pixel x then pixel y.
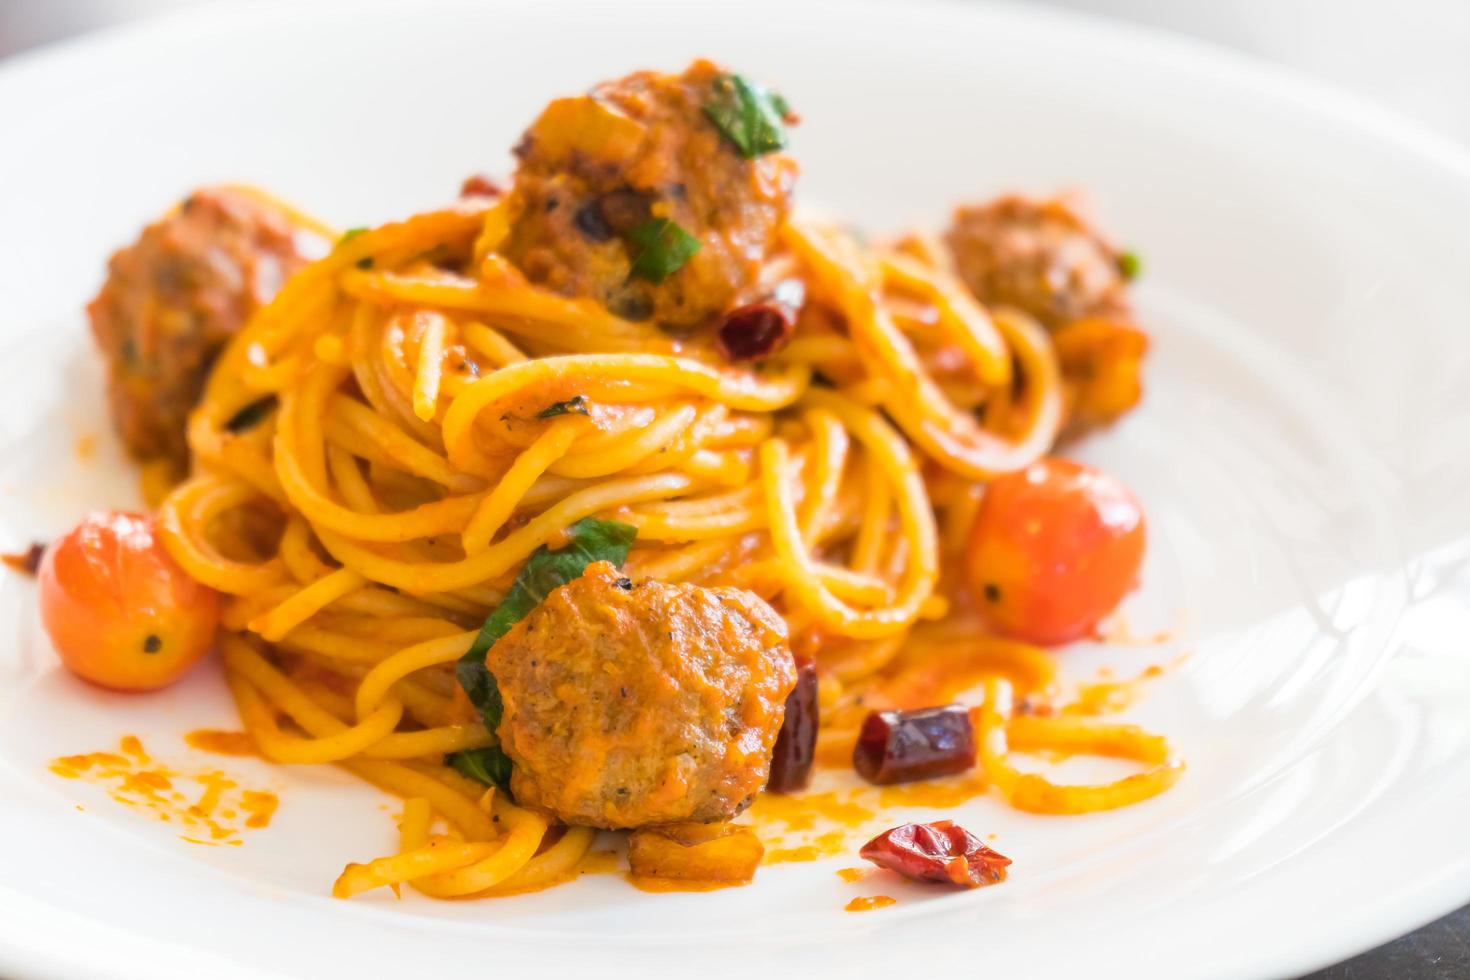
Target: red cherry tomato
{"type": "Point", "coordinates": [1055, 547]}
{"type": "Point", "coordinates": [120, 611]}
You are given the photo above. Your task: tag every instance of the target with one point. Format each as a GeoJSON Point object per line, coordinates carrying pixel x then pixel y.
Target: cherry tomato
{"type": "Point", "coordinates": [1055, 547]}
{"type": "Point", "coordinates": [120, 611]}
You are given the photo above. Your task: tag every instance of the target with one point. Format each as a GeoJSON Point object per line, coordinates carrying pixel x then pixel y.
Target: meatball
{"type": "Point", "coordinates": [597, 171]}
{"type": "Point", "coordinates": [1043, 258]}
{"type": "Point", "coordinates": [174, 297]}
{"type": "Point", "coordinates": [1040, 257]}
{"type": "Point", "coordinates": [630, 705]}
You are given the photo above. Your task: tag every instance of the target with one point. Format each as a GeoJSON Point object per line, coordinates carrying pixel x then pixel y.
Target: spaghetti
{"type": "Point", "coordinates": [424, 415]}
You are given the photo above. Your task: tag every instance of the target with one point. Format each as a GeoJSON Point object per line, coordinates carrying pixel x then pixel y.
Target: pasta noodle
{"type": "Point", "coordinates": [418, 455]}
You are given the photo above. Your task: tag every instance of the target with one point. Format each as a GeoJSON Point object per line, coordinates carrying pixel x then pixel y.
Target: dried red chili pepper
{"type": "Point", "coordinates": [796, 743]}
{"type": "Point", "coordinates": [759, 329]}
{"type": "Point", "coordinates": [28, 561]}
{"type": "Point", "coordinates": [901, 746]}
{"type": "Point", "coordinates": [939, 851]}
{"type": "Point", "coordinates": [481, 185]}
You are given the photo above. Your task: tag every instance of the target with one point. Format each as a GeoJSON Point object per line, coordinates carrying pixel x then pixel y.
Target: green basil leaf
{"type": "Point", "coordinates": [748, 114]}
{"type": "Point", "coordinates": [349, 235]}
{"type": "Point", "coordinates": [489, 765]}
{"type": "Point", "coordinates": [1129, 265]}
{"type": "Point", "coordinates": [576, 404]}
{"type": "Point", "coordinates": [666, 247]}
{"type": "Point", "coordinates": [251, 415]}
{"type": "Point", "coordinates": [545, 571]}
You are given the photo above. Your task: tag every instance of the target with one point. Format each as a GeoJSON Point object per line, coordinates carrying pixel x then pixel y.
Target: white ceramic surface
{"type": "Point", "coordinates": [1301, 452]}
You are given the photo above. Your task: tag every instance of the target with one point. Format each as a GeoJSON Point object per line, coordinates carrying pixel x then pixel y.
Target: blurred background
{"type": "Point", "coordinates": [1411, 57]}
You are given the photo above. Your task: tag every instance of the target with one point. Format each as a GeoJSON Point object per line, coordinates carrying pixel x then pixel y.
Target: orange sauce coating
{"type": "Point", "coordinates": [221, 742]}
{"type": "Point", "coordinates": [208, 816]}
{"type": "Point", "coordinates": [867, 903]}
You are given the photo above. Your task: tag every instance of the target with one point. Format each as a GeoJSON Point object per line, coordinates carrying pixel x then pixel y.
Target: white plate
{"type": "Point", "coordinates": [1301, 450]}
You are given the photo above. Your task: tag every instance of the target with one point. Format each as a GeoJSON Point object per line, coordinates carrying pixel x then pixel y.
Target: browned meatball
{"type": "Point", "coordinates": [629, 705]}
{"type": "Point", "coordinates": [1039, 256]}
{"type": "Point", "coordinates": [1042, 257]}
{"type": "Point", "coordinates": [596, 168]}
{"type": "Point", "coordinates": [174, 297]}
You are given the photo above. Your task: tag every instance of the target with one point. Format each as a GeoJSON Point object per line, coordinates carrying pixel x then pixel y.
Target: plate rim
{"type": "Point", "coordinates": [1410, 907]}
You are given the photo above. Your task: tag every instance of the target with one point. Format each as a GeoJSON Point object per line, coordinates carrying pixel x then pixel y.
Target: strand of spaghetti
{"type": "Point", "coordinates": [865, 658]}
{"type": "Point", "coordinates": [737, 389]}
{"type": "Point", "coordinates": [537, 314]}
{"type": "Point", "coordinates": [727, 469]}
{"type": "Point", "coordinates": [431, 742]}
{"type": "Point", "coordinates": [1028, 733]}
{"type": "Point", "coordinates": [396, 444]}
{"type": "Point", "coordinates": [295, 550]}
{"type": "Point", "coordinates": [413, 826]}
{"type": "Point", "coordinates": [873, 527]}
{"type": "Point", "coordinates": [422, 578]}
{"type": "Point", "coordinates": [944, 665]}
{"type": "Point", "coordinates": [631, 448]}
{"type": "Point", "coordinates": [397, 378]}
{"type": "Point", "coordinates": [916, 520]}
{"type": "Point", "coordinates": [306, 603]}
{"type": "Point", "coordinates": [966, 321]}
{"type": "Point", "coordinates": [492, 344]}
{"type": "Point", "coordinates": [496, 507]}
{"type": "Point", "coordinates": [439, 855]}
{"type": "Point", "coordinates": [399, 779]}
{"type": "Point", "coordinates": [682, 449]}
{"type": "Point", "coordinates": [277, 746]}
{"type": "Point", "coordinates": [414, 629]}
{"type": "Point", "coordinates": [238, 611]}
{"type": "Point", "coordinates": [374, 687]}
{"type": "Point", "coordinates": [332, 740]}
{"type": "Point", "coordinates": [431, 365]}
{"type": "Point", "coordinates": [251, 679]}
{"type": "Point", "coordinates": [678, 564]}
{"type": "Point", "coordinates": [915, 402]}
{"type": "Point", "coordinates": [183, 520]}
{"type": "Point", "coordinates": [443, 516]}
{"type": "Point", "coordinates": [1037, 794]}
{"type": "Point", "coordinates": [524, 832]}
{"type": "Point", "coordinates": [830, 454]}
{"type": "Point", "coordinates": [954, 439]}
{"type": "Point", "coordinates": [558, 862]}
{"type": "Point", "coordinates": [335, 647]}
{"type": "Point", "coordinates": [347, 478]}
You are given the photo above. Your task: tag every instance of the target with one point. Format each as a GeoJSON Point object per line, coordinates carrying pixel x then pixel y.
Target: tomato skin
{"type": "Point", "coordinates": [1054, 549]}
{"type": "Point", "coordinates": [120, 611]}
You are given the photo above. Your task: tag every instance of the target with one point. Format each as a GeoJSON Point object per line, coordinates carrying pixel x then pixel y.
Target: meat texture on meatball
{"type": "Point", "coordinates": [600, 174]}
{"type": "Point", "coordinates": [174, 297]}
{"type": "Point", "coordinates": [1039, 256]}
{"type": "Point", "coordinates": [1042, 257]}
{"type": "Point", "coordinates": [629, 705]}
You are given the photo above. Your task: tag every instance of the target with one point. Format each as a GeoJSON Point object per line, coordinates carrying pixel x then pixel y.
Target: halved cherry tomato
{"type": "Point", "coordinates": [1055, 547]}
{"type": "Point", "coordinates": [120, 611]}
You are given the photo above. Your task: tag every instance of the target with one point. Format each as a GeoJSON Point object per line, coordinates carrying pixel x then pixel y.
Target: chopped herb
{"type": "Point", "coordinates": [349, 235]}
{"type": "Point", "coordinates": [666, 247]}
{"type": "Point", "coordinates": [545, 571]}
{"type": "Point", "coordinates": [1130, 265]}
{"type": "Point", "coordinates": [365, 263]}
{"type": "Point", "coordinates": [152, 643]}
{"type": "Point", "coordinates": [577, 405]}
{"type": "Point", "coordinates": [489, 765]}
{"type": "Point", "coordinates": [749, 114]}
{"type": "Point", "coordinates": [251, 415]}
